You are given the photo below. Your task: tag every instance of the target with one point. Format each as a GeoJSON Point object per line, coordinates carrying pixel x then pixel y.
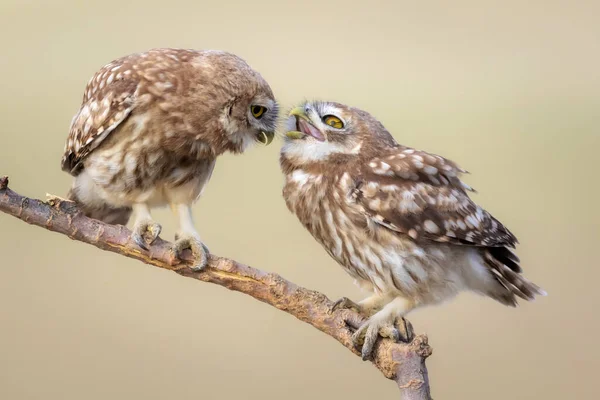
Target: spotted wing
{"type": "Point", "coordinates": [421, 195]}
{"type": "Point", "coordinates": [108, 100]}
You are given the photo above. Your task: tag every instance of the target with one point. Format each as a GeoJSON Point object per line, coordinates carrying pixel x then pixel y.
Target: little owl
{"type": "Point", "coordinates": [398, 220]}
{"type": "Point", "coordinates": [149, 130]}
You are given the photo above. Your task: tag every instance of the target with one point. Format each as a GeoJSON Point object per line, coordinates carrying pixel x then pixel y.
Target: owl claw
{"type": "Point", "coordinates": [366, 335]}
{"type": "Point", "coordinates": [345, 303]}
{"type": "Point", "coordinates": [199, 250]}
{"type": "Point", "coordinates": [145, 233]}
{"type": "Point", "coordinates": [140, 242]}
{"type": "Point", "coordinates": [406, 330]}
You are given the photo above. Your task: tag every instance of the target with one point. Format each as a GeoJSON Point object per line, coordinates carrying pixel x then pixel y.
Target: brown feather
{"type": "Point", "coordinates": [421, 194]}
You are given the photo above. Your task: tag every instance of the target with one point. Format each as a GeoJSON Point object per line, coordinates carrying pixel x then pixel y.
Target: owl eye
{"type": "Point", "coordinates": [258, 111]}
{"type": "Point", "coordinates": [333, 121]}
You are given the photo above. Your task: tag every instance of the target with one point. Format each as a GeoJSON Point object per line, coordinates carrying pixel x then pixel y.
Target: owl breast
{"type": "Point", "coordinates": [321, 203]}
{"type": "Point", "coordinates": [135, 164]}
{"type": "Point", "coordinates": [375, 257]}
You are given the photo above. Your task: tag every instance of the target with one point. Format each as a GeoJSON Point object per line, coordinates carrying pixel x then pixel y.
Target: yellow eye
{"type": "Point", "coordinates": [333, 121]}
{"type": "Point", "coordinates": [257, 111]}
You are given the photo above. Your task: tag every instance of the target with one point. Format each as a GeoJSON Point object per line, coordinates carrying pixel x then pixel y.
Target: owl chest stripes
{"type": "Point", "coordinates": [135, 159]}
{"type": "Point", "coordinates": [328, 213]}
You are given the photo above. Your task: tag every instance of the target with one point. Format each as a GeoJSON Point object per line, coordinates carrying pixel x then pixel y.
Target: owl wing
{"type": "Point", "coordinates": [421, 195]}
{"type": "Point", "coordinates": [108, 100]}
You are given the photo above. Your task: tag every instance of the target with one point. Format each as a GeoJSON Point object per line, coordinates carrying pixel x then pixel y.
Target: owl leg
{"type": "Point", "coordinates": [188, 238]}
{"type": "Point", "coordinates": [388, 322]}
{"type": "Point", "coordinates": [145, 230]}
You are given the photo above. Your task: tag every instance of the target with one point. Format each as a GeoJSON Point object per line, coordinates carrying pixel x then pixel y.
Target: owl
{"type": "Point", "coordinates": [398, 220]}
{"type": "Point", "coordinates": [149, 130]}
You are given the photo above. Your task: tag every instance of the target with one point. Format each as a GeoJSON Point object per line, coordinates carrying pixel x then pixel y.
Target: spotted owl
{"type": "Point", "coordinates": [398, 220]}
{"type": "Point", "coordinates": [149, 130]}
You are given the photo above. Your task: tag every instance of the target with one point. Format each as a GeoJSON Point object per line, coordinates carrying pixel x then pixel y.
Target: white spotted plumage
{"type": "Point", "coordinates": [150, 128]}
{"type": "Point", "coordinates": [398, 220]}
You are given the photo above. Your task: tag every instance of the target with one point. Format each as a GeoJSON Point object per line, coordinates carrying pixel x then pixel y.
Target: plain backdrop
{"type": "Point", "coordinates": [509, 90]}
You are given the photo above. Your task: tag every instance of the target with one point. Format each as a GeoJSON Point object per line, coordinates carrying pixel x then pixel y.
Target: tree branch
{"type": "Point", "coordinates": [403, 363]}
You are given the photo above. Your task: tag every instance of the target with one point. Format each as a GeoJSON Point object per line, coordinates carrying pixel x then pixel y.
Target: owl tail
{"type": "Point", "coordinates": [504, 266]}
{"type": "Point", "coordinates": [100, 210]}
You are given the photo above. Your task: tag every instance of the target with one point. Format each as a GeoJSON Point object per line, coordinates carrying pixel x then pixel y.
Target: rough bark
{"type": "Point", "coordinates": [401, 362]}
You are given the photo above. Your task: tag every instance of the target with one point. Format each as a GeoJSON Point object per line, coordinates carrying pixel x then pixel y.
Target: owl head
{"type": "Point", "coordinates": [241, 97]}
{"type": "Point", "coordinates": [317, 131]}
{"type": "Point", "coordinates": [252, 117]}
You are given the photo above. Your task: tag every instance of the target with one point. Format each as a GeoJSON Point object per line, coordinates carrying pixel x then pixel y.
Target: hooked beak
{"type": "Point", "coordinates": [304, 126]}
{"type": "Point", "coordinates": [265, 137]}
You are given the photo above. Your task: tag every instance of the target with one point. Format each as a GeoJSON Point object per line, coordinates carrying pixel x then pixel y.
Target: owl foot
{"type": "Point", "coordinates": [345, 304]}
{"type": "Point", "coordinates": [145, 233]}
{"type": "Point", "coordinates": [198, 249]}
{"type": "Point", "coordinates": [366, 335]}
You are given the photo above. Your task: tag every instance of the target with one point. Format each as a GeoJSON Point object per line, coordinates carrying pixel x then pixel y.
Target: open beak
{"type": "Point", "coordinates": [304, 126]}
{"type": "Point", "coordinates": [265, 137]}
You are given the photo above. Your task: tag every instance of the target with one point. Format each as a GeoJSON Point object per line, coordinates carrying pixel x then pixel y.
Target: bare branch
{"type": "Point", "coordinates": [403, 363]}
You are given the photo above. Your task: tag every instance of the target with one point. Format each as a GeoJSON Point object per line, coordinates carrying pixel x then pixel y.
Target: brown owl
{"type": "Point", "coordinates": [398, 220]}
{"type": "Point", "coordinates": [149, 130]}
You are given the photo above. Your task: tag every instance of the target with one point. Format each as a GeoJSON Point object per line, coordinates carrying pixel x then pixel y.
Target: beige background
{"type": "Point", "coordinates": [511, 91]}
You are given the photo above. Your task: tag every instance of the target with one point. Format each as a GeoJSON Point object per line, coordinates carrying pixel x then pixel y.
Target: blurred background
{"type": "Point", "coordinates": [509, 90]}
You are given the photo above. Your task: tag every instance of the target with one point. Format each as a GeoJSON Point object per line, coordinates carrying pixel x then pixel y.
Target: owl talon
{"type": "Point", "coordinates": [199, 250]}
{"type": "Point", "coordinates": [367, 334]}
{"type": "Point", "coordinates": [145, 233]}
{"type": "Point", "coordinates": [406, 330]}
{"type": "Point", "coordinates": [139, 241]}
{"type": "Point", "coordinates": [345, 303]}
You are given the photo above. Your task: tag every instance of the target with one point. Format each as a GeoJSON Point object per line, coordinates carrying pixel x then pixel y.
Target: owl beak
{"type": "Point", "coordinates": [265, 137]}
{"type": "Point", "coordinates": [304, 126]}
